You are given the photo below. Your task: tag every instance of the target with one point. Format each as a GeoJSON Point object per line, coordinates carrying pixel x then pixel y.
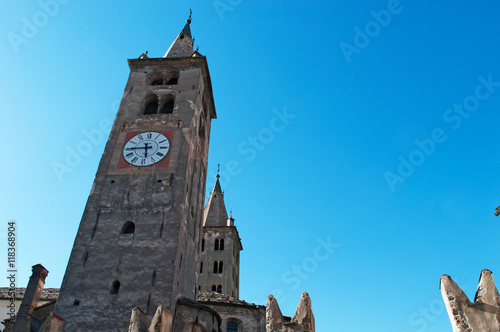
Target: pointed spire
{"type": "Point", "coordinates": [183, 44]}
{"type": "Point", "coordinates": [215, 213]}
{"type": "Point", "coordinates": [217, 187]}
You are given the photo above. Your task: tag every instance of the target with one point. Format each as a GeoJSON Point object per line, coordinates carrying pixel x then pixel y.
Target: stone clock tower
{"type": "Point", "coordinates": [138, 243]}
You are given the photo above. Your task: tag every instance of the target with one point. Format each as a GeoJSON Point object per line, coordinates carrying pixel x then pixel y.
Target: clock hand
{"type": "Point", "coordinates": [146, 147]}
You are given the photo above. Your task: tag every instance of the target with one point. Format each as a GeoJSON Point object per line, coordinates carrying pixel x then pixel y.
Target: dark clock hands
{"type": "Point", "coordinates": [145, 147]}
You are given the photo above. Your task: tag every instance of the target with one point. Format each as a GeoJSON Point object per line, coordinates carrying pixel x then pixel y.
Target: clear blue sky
{"type": "Point", "coordinates": [373, 155]}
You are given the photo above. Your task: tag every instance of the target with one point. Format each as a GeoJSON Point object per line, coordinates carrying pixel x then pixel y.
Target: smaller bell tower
{"type": "Point", "coordinates": [219, 268]}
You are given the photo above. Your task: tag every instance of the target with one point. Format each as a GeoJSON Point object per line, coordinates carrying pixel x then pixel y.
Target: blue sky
{"type": "Point", "coordinates": [382, 142]}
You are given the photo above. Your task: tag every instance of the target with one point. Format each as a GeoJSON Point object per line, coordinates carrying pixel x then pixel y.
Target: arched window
{"type": "Point", "coordinates": [115, 287]}
{"type": "Point", "coordinates": [156, 79]}
{"type": "Point", "coordinates": [216, 267]}
{"type": "Point", "coordinates": [221, 244]}
{"type": "Point", "coordinates": [172, 79]}
{"type": "Point", "coordinates": [168, 105]}
{"type": "Point", "coordinates": [151, 105]}
{"type": "Point", "coordinates": [220, 267]}
{"type": "Point", "coordinates": [203, 245]}
{"type": "Point", "coordinates": [201, 267]}
{"type": "Point", "coordinates": [219, 289]}
{"type": "Point", "coordinates": [128, 228]}
{"type": "Point", "coordinates": [214, 288]}
{"type": "Point", "coordinates": [216, 246]}
{"type": "Point", "coordinates": [232, 327]}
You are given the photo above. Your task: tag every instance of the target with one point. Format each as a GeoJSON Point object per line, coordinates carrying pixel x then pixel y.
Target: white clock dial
{"type": "Point", "coordinates": [146, 148]}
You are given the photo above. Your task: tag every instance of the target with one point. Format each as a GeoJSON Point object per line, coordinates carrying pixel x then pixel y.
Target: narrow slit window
{"type": "Point", "coordinates": [220, 267]}
{"type": "Point", "coordinates": [219, 289]}
{"type": "Point", "coordinates": [216, 267]}
{"type": "Point", "coordinates": [221, 244]}
{"type": "Point", "coordinates": [85, 258]}
{"type": "Point", "coordinates": [201, 267]}
{"type": "Point", "coordinates": [216, 246]}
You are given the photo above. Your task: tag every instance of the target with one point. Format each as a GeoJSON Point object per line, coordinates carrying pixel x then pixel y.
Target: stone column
{"type": "Point", "coordinates": [31, 296]}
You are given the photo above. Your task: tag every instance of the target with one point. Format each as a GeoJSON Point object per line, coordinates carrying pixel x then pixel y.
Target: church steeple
{"type": "Point", "coordinates": [183, 44]}
{"type": "Point", "coordinates": [143, 218]}
{"type": "Point", "coordinates": [220, 247]}
{"type": "Point", "coordinates": [215, 213]}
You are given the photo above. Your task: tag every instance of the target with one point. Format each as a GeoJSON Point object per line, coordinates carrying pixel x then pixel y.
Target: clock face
{"type": "Point", "coordinates": [146, 148]}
